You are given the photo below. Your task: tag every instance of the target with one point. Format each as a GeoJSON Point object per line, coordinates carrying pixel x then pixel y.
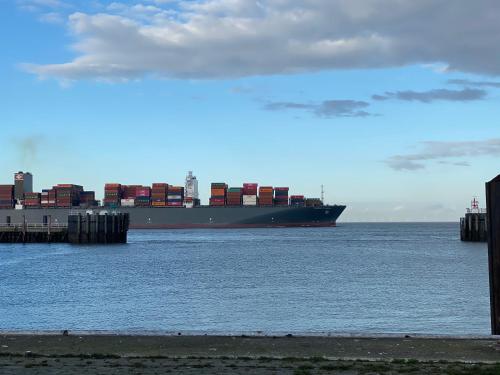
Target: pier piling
{"type": "Point", "coordinates": [473, 227]}
{"type": "Point", "coordinates": [493, 217]}
{"type": "Point", "coordinates": [93, 228]}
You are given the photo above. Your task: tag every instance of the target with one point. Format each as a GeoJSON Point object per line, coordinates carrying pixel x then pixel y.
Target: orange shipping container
{"type": "Point", "coordinates": [218, 192]}
{"type": "Point", "coordinates": [158, 204]}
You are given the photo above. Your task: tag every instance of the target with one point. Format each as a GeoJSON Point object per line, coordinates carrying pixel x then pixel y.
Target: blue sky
{"type": "Point", "coordinates": [133, 92]}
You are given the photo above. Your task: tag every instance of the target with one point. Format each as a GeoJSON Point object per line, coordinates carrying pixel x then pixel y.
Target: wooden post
{"type": "Point", "coordinates": [106, 228]}
{"type": "Point", "coordinates": [49, 227]}
{"type": "Point", "coordinates": [24, 229]}
{"type": "Point", "coordinates": [493, 218]}
{"type": "Point", "coordinates": [79, 229]}
{"type": "Point", "coordinates": [87, 228]}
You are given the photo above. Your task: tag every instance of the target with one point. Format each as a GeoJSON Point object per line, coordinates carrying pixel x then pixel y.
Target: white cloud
{"type": "Point", "coordinates": [463, 95]}
{"type": "Point", "coordinates": [236, 38]}
{"type": "Point", "coordinates": [325, 109]}
{"type": "Point", "coordinates": [141, 12]}
{"type": "Point", "coordinates": [445, 153]}
{"type": "Point", "coordinates": [466, 82]}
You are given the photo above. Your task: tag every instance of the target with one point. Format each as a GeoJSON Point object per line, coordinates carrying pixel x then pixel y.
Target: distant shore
{"type": "Point", "coordinates": [244, 354]}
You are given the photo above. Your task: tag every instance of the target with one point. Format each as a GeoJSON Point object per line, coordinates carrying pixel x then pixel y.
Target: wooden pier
{"type": "Point", "coordinates": [80, 229]}
{"type": "Point", "coordinates": [33, 233]}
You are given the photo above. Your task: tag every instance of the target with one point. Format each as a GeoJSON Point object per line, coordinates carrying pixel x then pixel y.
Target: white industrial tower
{"type": "Point", "coordinates": [191, 186]}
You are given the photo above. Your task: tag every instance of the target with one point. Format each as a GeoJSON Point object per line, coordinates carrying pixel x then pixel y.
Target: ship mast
{"type": "Point", "coordinates": [474, 205]}
{"type": "Point", "coordinates": [322, 194]}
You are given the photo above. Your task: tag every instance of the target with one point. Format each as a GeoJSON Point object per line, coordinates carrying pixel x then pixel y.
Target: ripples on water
{"type": "Point", "coordinates": [368, 278]}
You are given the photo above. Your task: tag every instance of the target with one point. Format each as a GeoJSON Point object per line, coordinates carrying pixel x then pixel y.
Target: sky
{"type": "Point", "coordinates": [392, 105]}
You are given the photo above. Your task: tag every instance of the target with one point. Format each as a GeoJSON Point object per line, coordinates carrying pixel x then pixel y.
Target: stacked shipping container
{"type": "Point", "coordinates": [45, 198]}
{"type": "Point", "coordinates": [68, 195]}
{"type": "Point", "coordinates": [112, 195]}
{"type": "Point", "coordinates": [175, 196]}
{"type": "Point", "coordinates": [32, 200]}
{"type": "Point", "coordinates": [234, 196]}
{"type": "Point", "coordinates": [266, 195]}
{"type": "Point", "coordinates": [87, 199]}
{"type": "Point", "coordinates": [249, 194]}
{"type": "Point", "coordinates": [135, 195]}
{"type": "Point", "coordinates": [218, 193]}
{"type": "Point", "coordinates": [281, 196]}
{"type": "Point", "coordinates": [297, 200]}
{"type": "Point", "coordinates": [6, 196]}
{"type": "Point", "coordinates": [159, 194]}
{"type": "Point", "coordinates": [130, 191]}
{"type": "Point", "coordinates": [143, 196]}
{"type": "Point", "coordinates": [52, 198]}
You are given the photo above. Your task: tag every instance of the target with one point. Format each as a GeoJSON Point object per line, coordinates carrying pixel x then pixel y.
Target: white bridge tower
{"type": "Point", "coordinates": [191, 190]}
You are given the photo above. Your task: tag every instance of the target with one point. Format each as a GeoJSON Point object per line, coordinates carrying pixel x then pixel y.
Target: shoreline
{"type": "Point", "coordinates": [112, 353]}
{"type": "Point", "coordinates": [250, 334]}
{"type": "Point", "coordinates": [374, 348]}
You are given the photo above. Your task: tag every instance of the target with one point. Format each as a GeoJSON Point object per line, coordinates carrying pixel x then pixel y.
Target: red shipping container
{"type": "Point", "coordinates": [250, 188]}
{"type": "Point", "coordinates": [143, 192]}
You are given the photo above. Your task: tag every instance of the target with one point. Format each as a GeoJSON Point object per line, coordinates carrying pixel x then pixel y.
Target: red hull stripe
{"type": "Point", "coordinates": [226, 226]}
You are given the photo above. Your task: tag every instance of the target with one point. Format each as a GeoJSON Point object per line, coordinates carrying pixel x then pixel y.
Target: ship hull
{"type": "Point", "coordinates": [197, 217]}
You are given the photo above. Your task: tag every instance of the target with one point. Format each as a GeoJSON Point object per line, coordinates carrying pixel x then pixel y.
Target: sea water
{"type": "Point", "coordinates": [355, 278]}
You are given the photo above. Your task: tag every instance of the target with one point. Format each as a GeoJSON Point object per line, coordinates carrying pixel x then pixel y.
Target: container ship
{"type": "Point", "coordinates": [165, 206]}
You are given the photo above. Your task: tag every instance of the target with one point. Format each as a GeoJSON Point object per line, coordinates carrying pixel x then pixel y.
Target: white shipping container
{"type": "Point", "coordinates": [128, 202]}
{"type": "Point", "coordinates": [174, 197]}
{"type": "Point", "coordinates": [249, 200]}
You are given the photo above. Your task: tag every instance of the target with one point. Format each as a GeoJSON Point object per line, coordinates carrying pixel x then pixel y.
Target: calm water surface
{"type": "Point", "coordinates": [368, 278]}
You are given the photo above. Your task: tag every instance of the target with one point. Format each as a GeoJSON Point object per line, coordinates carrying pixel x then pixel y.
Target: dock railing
{"type": "Point", "coordinates": [33, 227]}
